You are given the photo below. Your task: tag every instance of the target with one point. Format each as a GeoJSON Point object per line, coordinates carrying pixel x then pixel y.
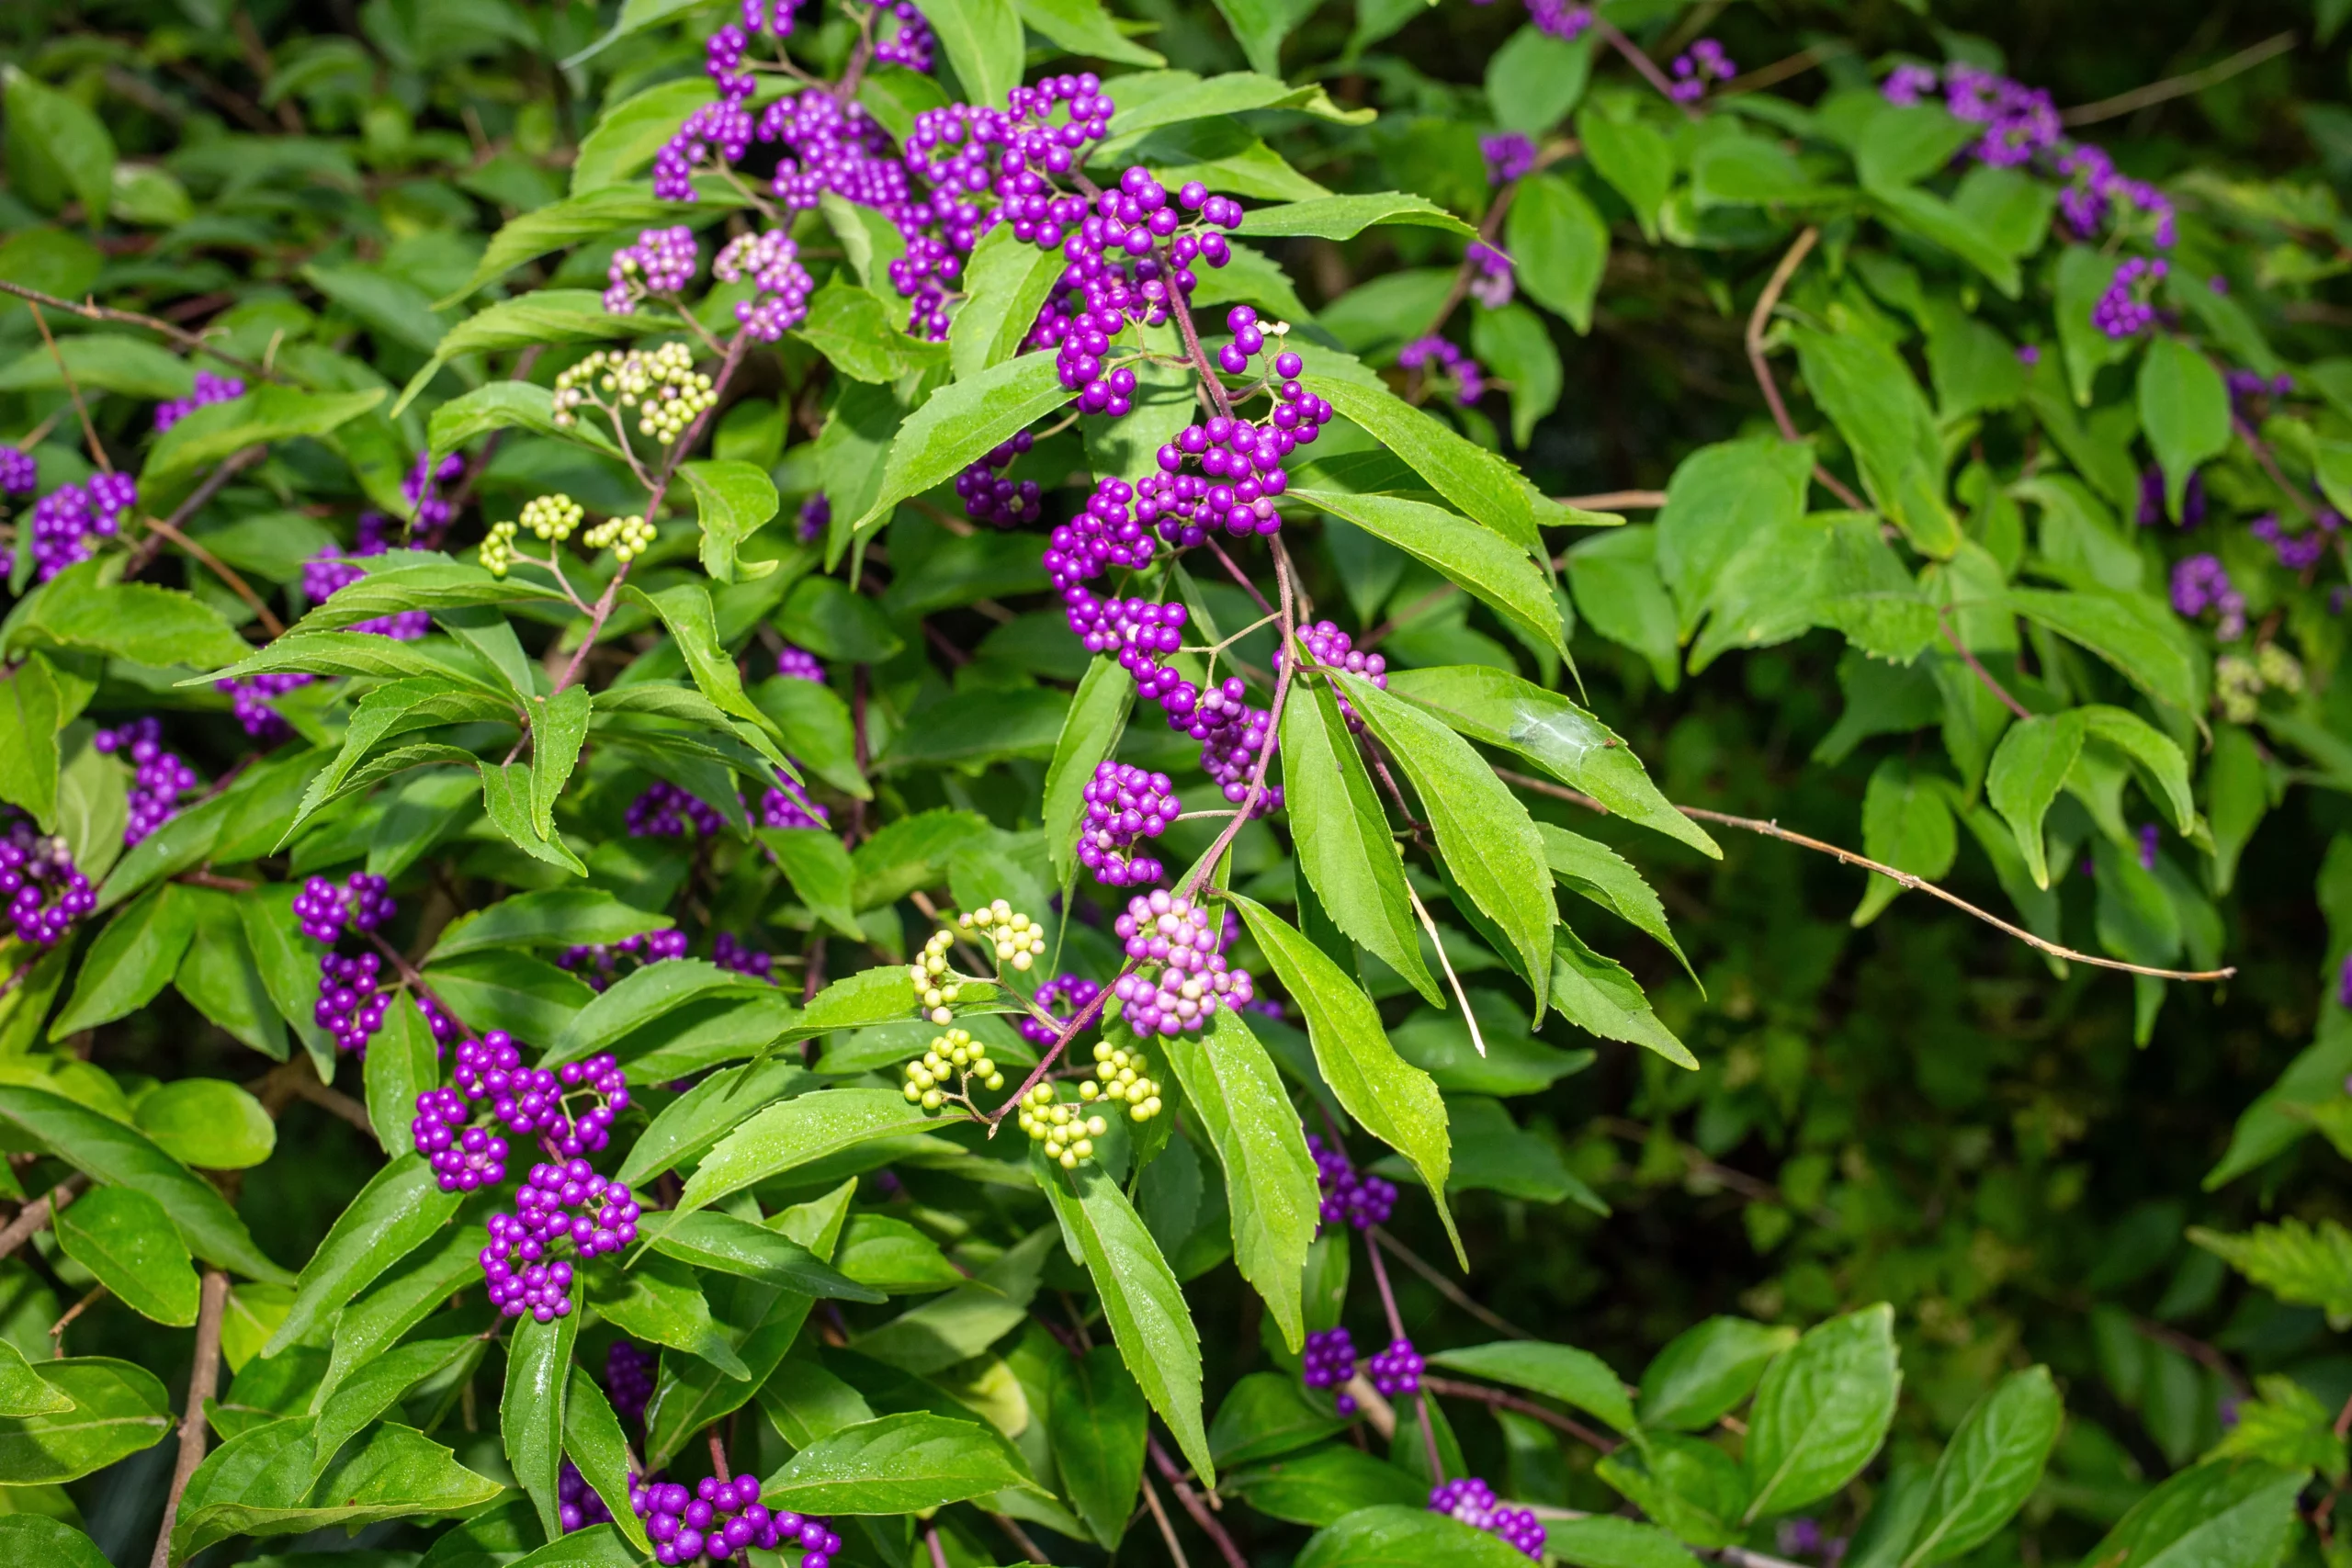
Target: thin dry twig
{"type": "Point", "coordinates": [221, 569]}
{"type": "Point", "coordinates": [1616, 501]}
{"type": "Point", "coordinates": [1160, 1517]}
{"type": "Point", "coordinates": [1190, 1498]}
{"type": "Point", "coordinates": [2179, 86]}
{"type": "Point", "coordinates": [197, 499]}
{"type": "Point", "coordinates": [40, 1211]}
{"type": "Point", "coordinates": [1757, 319]}
{"type": "Point", "coordinates": [1445, 1286]}
{"type": "Point", "coordinates": [203, 1382]}
{"type": "Point", "coordinates": [1780, 69]}
{"type": "Point", "coordinates": [1642, 63]}
{"type": "Point", "coordinates": [1012, 1526]}
{"type": "Point", "coordinates": [90, 310]}
{"type": "Point", "coordinates": [1943, 619]}
{"type": "Point", "coordinates": [57, 1329]}
{"type": "Point", "coordinates": [1457, 1389]}
{"type": "Point", "coordinates": [73, 389]}
{"type": "Point", "coordinates": [1907, 880]}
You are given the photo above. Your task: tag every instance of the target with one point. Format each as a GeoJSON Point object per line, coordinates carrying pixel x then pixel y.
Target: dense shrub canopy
{"type": "Point", "coordinates": [988, 781]}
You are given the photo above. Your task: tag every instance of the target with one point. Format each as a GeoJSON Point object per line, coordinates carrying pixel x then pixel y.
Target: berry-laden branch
{"type": "Point", "coordinates": [1907, 880]}
{"type": "Point", "coordinates": [90, 310]}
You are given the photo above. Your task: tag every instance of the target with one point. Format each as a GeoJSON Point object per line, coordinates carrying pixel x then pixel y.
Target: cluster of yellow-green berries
{"type": "Point", "coordinates": [1018, 939]}
{"type": "Point", "coordinates": [2239, 681]}
{"type": "Point", "coordinates": [498, 549]}
{"type": "Point", "coordinates": [662, 385]}
{"type": "Point", "coordinates": [1122, 1074]}
{"type": "Point", "coordinates": [552, 516]}
{"type": "Point", "coordinates": [629, 538]}
{"type": "Point", "coordinates": [1067, 1131]}
{"type": "Point", "coordinates": [952, 1055]}
{"type": "Point", "coordinates": [935, 987]}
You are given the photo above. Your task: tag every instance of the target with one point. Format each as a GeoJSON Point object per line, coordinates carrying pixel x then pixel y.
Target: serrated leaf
{"type": "Point", "coordinates": [1572, 1376]}
{"type": "Point", "coordinates": [137, 621]}
{"type": "Point", "coordinates": [734, 500]}
{"type": "Point", "coordinates": [131, 960]}
{"type": "Point", "coordinates": [1474, 480]}
{"type": "Point", "coordinates": [2027, 770]}
{"type": "Point", "coordinates": [530, 1414]}
{"type": "Point", "coordinates": [982, 39]}
{"type": "Point", "coordinates": [1479, 560]}
{"type": "Point", "coordinates": [1096, 1417]}
{"type": "Point", "coordinates": [506, 405]}
{"type": "Point", "coordinates": [959, 423]}
{"type": "Point", "coordinates": [269, 414]}
{"type": "Point", "coordinates": [1601, 873]}
{"type": "Point", "coordinates": [722, 1244]}
{"type": "Point", "coordinates": [255, 1484]}
{"type": "Point", "coordinates": [1870, 394]}
{"type": "Point", "coordinates": [858, 334]}
{"type": "Point", "coordinates": [128, 1243]}
{"type": "Point", "coordinates": [1822, 1412]}
{"type": "Point", "coordinates": [506, 800]}
{"type": "Point", "coordinates": [1083, 27]}
{"type": "Point", "coordinates": [2300, 1264]}
{"type": "Point", "coordinates": [1393, 1101]}
{"type": "Point", "coordinates": [561, 917]}
{"type": "Point", "coordinates": [580, 217]}
{"type": "Point", "coordinates": [2228, 1514]}
{"type": "Point", "coordinates": [116, 1409]}
{"type": "Point", "coordinates": [594, 1441]}
{"type": "Point", "coordinates": [894, 1464]}
{"type": "Point", "coordinates": [796, 1132]}
{"type": "Point", "coordinates": [400, 1209]}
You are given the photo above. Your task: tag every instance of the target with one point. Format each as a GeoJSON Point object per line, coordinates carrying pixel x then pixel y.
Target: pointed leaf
{"type": "Point", "coordinates": [2028, 771]}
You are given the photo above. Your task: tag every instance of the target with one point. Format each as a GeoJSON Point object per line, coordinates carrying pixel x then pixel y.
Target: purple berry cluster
{"type": "Point", "coordinates": [70, 517]}
{"type": "Point", "coordinates": [815, 516]}
{"type": "Point", "coordinates": [533, 1101]}
{"type": "Point", "coordinates": [1334, 649]}
{"type": "Point", "coordinates": [719, 1519]}
{"type": "Point", "coordinates": [1704, 62]}
{"type": "Point", "coordinates": [730, 953]}
{"type": "Point", "coordinates": [2200, 584]}
{"type": "Point", "coordinates": [2245, 387]}
{"type": "Point", "coordinates": [556, 1204]}
{"type": "Point", "coordinates": [350, 1006]}
{"type": "Point", "coordinates": [209, 390]}
{"type": "Point", "coordinates": [363, 903]}
{"type": "Point", "coordinates": [160, 778]}
{"type": "Point", "coordinates": [47, 893]}
{"type": "Point", "coordinates": [593, 962]}
{"type": "Point", "coordinates": [787, 805]}
{"type": "Point", "coordinates": [2021, 126]}
{"type": "Point", "coordinates": [629, 1379]}
{"type": "Point", "coordinates": [800, 664]}
{"type": "Point", "coordinates": [1123, 803]}
{"type": "Point", "coordinates": [2124, 310]}
{"type": "Point", "coordinates": [1063, 996]}
{"type": "Point", "coordinates": [1349, 1197]}
{"type": "Point", "coordinates": [1182, 976]}
{"type": "Point", "coordinates": [665, 811]}
{"type": "Point", "coordinates": [1473, 1503]}
{"type": "Point", "coordinates": [2151, 510]}
{"type": "Point", "coordinates": [1116, 273]}
{"type": "Point", "coordinates": [771, 261]}
{"type": "Point", "coordinates": [1509, 156]}
{"type": "Point", "coordinates": [577, 1504]}
{"type": "Point", "coordinates": [432, 513]}
{"type": "Point", "coordinates": [1240, 463]}
{"type": "Point", "coordinates": [1396, 1371]}
{"type": "Point", "coordinates": [2297, 552]}
{"type": "Point", "coordinates": [1496, 279]}
{"type": "Point", "coordinates": [1434, 356]}
{"type": "Point", "coordinates": [19, 471]}
{"type": "Point", "coordinates": [250, 696]}
{"type": "Point", "coordinates": [332, 570]}
{"type": "Point", "coordinates": [910, 44]}
{"type": "Point", "coordinates": [1561, 18]}
{"type": "Point", "coordinates": [989, 496]}
{"type": "Point", "coordinates": [463, 1159]}
{"type": "Point", "coordinates": [663, 262]}
{"type": "Point", "coordinates": [1330, 1362]}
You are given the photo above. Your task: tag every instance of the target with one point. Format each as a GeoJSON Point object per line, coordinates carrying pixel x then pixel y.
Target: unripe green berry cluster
{"type": "Point", "coordinates": [935, 984]}
{"type": "Point", "coordinates": [662, 385]}
{"type": "Point", "coordinates": [952, 1055]}
{"type": "Point", "coordinates": [629, 538]}
{"type": "Point", "coordinates": [1122, 1074]}
{"type": "Point", "coordinates": [552, 516]}
{"type": "Point", "coordinates": [1067, 1131]}
{"type": "Point", "coordinates": [1018, 939]}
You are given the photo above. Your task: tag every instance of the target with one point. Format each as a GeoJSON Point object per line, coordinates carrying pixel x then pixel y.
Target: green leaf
{"type": "Point", "coordinates": [1231, 1087]}
{"type": "Point", "coordinates": [1260, 26]}
{"type": "Point", "coordinates": [1343, 842]}
{"type": "Point", "coordinates": [735, 500]}
{"type": "Point", "coordinates": [1007, 281]}
{"type": "Point", "coordinates": [1266, 1415]}
{"type": "Point", "coordinates": [2083, 274]}
{"type": "Point", "coordinates": [1532, 83]}
{"type": "Point", "coordinates": [2228, 1514]}
{"type": "Point", "coordinates": [1558, 243]}
{"type": "Point", "coordinates": [814, 861]}
{"type": "Point", "coordinates": [266, 414]}
{"type": "Point", "coordinates": [1621, 595]}
{"type": "Point", "coordinates": [2158, 758]}
{"type": "Point", "coordinates": [2185, 409]}
{"type": "Point", "coordinates": [1141, 1299]}
{"type": "Point", "coordinates": [117, 1156]}
{"type": "Point", "coordinates": [1485, 836]}
{"type": "Point", "coordinates": [2238, 796]}
{"type": "Point", "coordinates": [2299, 1264]}
{"type": "Point", "coordinates": [1989, 1468]}
{"type": "Point", "coordinates": [1601, 873]}
{"type": "Point", "coordinates": [662, 1302]}
{"type": "Point", "coordinates": [127, 1241]}
{"type": "Point", "coordinates": [543, 316]}
{"type": "Point", "coordinates": [1599, 1540]}
{"type": "Point", "coordinates": [1481, 484]}
{"type": "Point", "coordinates": [506, 405]}
{"type": "Point", "coordinates": [832, 620]}
{"type": "Point", "coordinates": [131, 960]}
{"type": "Point", "coordinates": [530, 1414]}
{"type": "Point", "coordinates": [1822, 1412]}
{"type": "Point", "coordinates": [507, 801]}
{"type": "Point", "coordinates": [1344, 216]}
{"type": "Point", "coordinates": [1720, 497]}
{"type": "Point", "coordinates": [1150, 99]}
{"type": "Point", "coordinates": [1097, 715]}
{"type": "Point", "coordinates": [395, 310]}
{"type": "Point", "coordinates": [729, 1246]}
{"type": "Point", "coordinates": [594, 1441]}
{"type": "Point", "coordinates": [377, 1387]}
{"type": "Point", "coordinates": [859, 335]}
{"type": "Point", "coordinates": [959, 423]}
{"type": "Point", "coordinates": [256, 1484]}
{"type": "Point", "coordinates": [2027, 770]}
{"type": "Point", "coordinates": [29, 1538]}
{"type": "Point", "coordinates": [1903, 143]}
{"type": "Point", "coordinates": [31, 713]}
{"type": "Point", "coordinates": [1495, 708]}
{"type": "Point", "coordinates": [1869, 393]}
{"type": "Point", "coordinates": [1083, 27]}
{"type": "Point", "coordinates": [640, 997]}
{"type": "Point", "coordinates": [64, 147]}
{"type": "Point", "coordinates": [219, 977]}
{"type": "Point", "coordinates": [1486, 565]}
{"type": "Point", "coordinates": [1572, 1376]}
{"type": "Point", "coordinates": [1907, 824]}
{"type": "Point", "coordinates": [116, 1410]}
{"type": "Point", "coordinates": [1325, 1485]}
{"type": "Point", "coordinates": [417, 1289]}
{"type": "Point", "coordinates": [1392, 1101]}
{"type": "Point", "coordinates": [1401, 1536]}
{"type": "Point", "coordinates": [1097, 1421]}
{"type": "Point", "coordinates": [1633, 158]}
{"type": "Point", "coordinates": [690, 1124]}
{"type": "Point", "coordinates": [400, 1210]}
{"type": "Point", "coordinates": [686, 609]}
{"type": "Point", "coordinates": [22, 1392]}
{"type": "Point", "coordinates": [796, 1132]}
{"type": "Point", "coordinates": [107, 362]}
{"type": "Point", "coordinates": [982, 39]}
{"type": "Point", "coordinates": [630, 133]}
{"type": "Point", "coordinates": [571, 222]}
{"type": "Point", "coordinates": [895, 1465]}
{"type": "Point", "coordinates": [136, 621]}
{"type": "Point", "coordinates": [1705, 1371]}
{"type": "Point", "coordinates": [558, 917]}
